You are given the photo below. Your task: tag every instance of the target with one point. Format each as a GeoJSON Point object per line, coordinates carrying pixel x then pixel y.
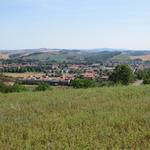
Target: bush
{"type": "Point", "coordinates": [83, 83]}
{"type": "Point", "coordinates": [42, 87]}
{"type": "Point", "coordinates": [3, 88]}
{"type": "Point", "coordinates": [18, 88]}
{"type": "Point", "coordinates": [11, 88]}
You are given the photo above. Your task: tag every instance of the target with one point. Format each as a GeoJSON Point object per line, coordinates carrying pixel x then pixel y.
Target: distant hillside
{"type": "Point", "coordinates": [75, 55]}
{"type": "Point", "coordinates": [122, 57]}
{"type": "Point", "coordinates": [71, 56]}
{"type": "Point", "coordinates": [137, 53]}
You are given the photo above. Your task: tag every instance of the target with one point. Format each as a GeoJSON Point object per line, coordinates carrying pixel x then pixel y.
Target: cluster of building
{"type": "Point", "coordinates": [63, 74]}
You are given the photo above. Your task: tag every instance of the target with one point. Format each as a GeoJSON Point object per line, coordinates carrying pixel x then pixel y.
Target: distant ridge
{"type": "Point", "coordinates": [67, 49]}
{"type": "Point", "coordinates": [57, 55]}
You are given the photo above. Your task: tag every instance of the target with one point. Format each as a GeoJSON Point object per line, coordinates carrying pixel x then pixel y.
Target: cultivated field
{"type": "Point", "coordinates": [143, 58]}
{"type": "Point", "coordinates": [4, 56]}
{"type": "Point", "coordinates": [71, 119]}
{"type": "Point", "coordinates": [24, 75]}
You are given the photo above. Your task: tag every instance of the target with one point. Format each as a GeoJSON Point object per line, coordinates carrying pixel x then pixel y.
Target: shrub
{"type": "Point", "coordinates": [42, 87]}
{"type": "Point", "coordinates": [18, 88]}
{"type": "Point", "coordinates": [2, 87]}
{"type": "Point", "coordinates": [11, 88]}
{"type": "Point", "coordinates": [83, 83]}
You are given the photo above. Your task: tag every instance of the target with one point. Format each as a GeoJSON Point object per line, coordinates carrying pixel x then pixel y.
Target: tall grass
{"type": "Point", "coordinates": [76, 119]}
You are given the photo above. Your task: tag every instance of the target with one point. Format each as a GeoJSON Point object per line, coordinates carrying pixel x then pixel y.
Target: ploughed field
{"type": "Point", "coordinates": [72, 119]}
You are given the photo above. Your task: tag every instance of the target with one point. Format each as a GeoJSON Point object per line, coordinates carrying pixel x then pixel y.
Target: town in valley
{"type": "Point", "coordinates": [42, 65]}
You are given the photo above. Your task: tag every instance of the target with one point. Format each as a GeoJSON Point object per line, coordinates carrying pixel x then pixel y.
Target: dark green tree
{"type": "Point", "coordinates": [122, 74]}
{"type": "Point", "coordinates": [140, 74]}
{"type": "Point", "coordinates": [146, 78]}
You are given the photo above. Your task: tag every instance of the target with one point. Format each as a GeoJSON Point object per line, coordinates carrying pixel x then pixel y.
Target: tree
{"type": "Point", "coordinates": [140, 74]}
{"type": "Point", "coordinates": [122, 74]}
{"type": "Point", "coordinates": [146, 78]}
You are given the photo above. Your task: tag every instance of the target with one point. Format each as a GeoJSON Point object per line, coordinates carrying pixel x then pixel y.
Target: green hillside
{"type": "Point", "coordinates": [59, 56]}
{"type": "Point", "coordinates": [97, 118]}
{"type": "Point", "coordinates": [121, 57]}
{"type": "Point", "coordinates": [71, 56]}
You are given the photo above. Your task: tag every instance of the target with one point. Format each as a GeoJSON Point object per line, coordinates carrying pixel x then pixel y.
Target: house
{"type": "Point", "coordinates": [91, 75]}
{"type": "Point", "coordinates": [104, 78]}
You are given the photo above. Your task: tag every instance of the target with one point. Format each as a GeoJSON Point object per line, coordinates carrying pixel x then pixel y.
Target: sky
{"type": "Point", "coordinates": [74, 24]}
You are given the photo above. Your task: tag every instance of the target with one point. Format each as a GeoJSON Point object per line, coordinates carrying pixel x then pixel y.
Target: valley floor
{"type": "Point", "coordinates": [97, 118]}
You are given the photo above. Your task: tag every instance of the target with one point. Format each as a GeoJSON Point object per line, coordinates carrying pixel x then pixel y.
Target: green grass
{"type": "Point", "coordinates": [76, 119]}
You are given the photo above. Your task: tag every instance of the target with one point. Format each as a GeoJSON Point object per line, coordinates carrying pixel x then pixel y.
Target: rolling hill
{"type": "Point", "coordinates": [75, 55]}
{"type": "Point", "coordinates": [69, 56]}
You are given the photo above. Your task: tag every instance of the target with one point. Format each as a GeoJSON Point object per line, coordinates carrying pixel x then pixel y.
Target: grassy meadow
{"type": "Point", "coordinates": [76, 119]}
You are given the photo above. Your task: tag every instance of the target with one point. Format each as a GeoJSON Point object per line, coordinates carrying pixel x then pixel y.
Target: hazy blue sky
{"type": "Point", "coordinates": [74, 24]}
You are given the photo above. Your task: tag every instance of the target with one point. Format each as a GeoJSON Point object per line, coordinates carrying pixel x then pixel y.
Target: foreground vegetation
{"type": "Point", "coordinates": [94, 118]}
{"type": "Point", "coordinates": [11, 88]}
{"type": "Point", "coordinates": [17, 88]}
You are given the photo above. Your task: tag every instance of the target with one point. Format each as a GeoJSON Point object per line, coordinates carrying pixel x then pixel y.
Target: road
{"type": "Point", "coordinates": [138, 82]}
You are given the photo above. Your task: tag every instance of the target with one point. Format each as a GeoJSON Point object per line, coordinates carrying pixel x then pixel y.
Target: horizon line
{"type": "Point", "coordinates": [106, 48]}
